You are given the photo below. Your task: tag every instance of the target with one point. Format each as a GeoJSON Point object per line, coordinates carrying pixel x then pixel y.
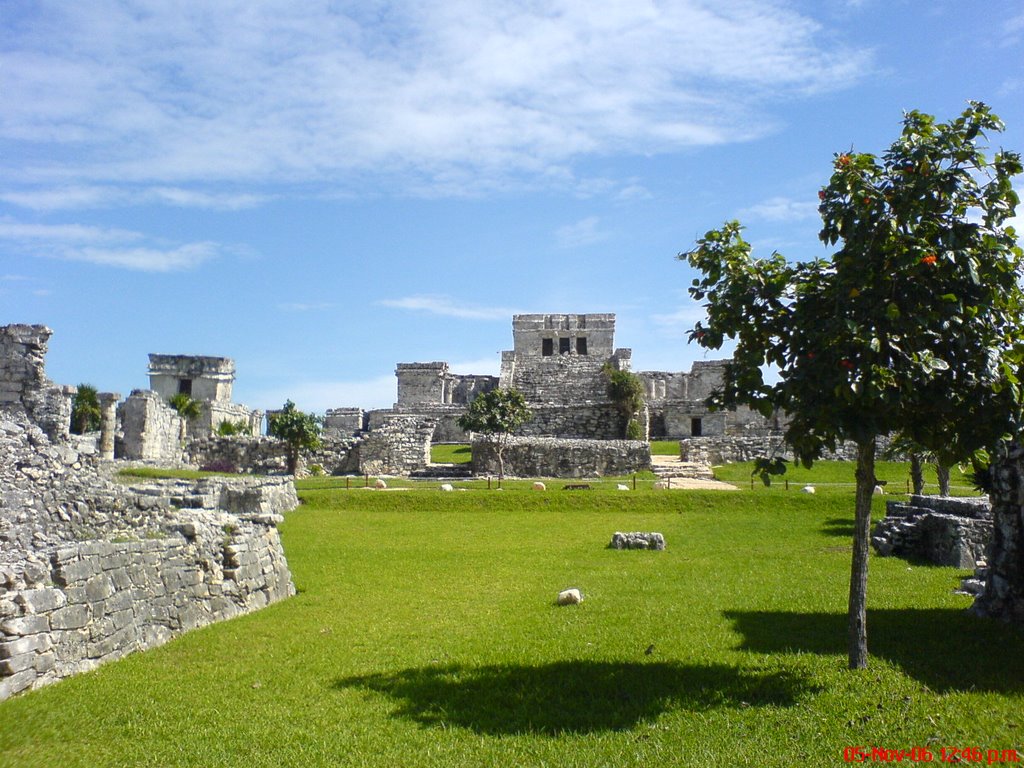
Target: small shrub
{"type": "Point", "coordinates": [231, 428]}
{"type": "Point", "coordinates": [315, 469]}
{"type": "Point", "coordinates": [634, 431]}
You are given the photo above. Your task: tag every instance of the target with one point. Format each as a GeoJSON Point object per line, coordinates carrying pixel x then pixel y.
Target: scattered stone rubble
{"type": "Point", "coordinates": [637, 540]}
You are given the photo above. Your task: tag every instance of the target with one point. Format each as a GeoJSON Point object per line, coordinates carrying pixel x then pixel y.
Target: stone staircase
{"type": "Point", "coordinates": [667, 470]}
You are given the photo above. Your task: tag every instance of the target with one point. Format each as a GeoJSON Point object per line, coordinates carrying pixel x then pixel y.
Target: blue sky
{"type": "Point", "coordinates": [323, 189]}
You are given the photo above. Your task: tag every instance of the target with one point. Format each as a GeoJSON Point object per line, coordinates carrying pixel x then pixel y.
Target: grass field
{"type": "Point", "coordinates": [425, 634]}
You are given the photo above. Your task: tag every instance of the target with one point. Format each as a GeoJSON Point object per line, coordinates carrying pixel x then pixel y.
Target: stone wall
{"type": "Point", "coordinates": [265, 455]}
{"type": "Point", "coordinates": [1003, 596]}
{"type": "Point", "coordinates": [729, 449]}
{"type": "Point", "coordinates": [400, 446]}
{"type": "Point", "coordinates": [213, 412]}
{"type": "Point", "coordinates": [209, 378]}
{"type": "Point", "coordinates": [937, 529]}
{"type": "Point", "coordinates": [92, 569]}
{"type": "Point", "coordinates": [343, 422]}
{"type": "Point", "coordinates": [153, 431]}
{"type": "Point", "coordinates": [584, 421]}
{"type": "Point", "coordinates": [555, 457]}
{"type": "Point", "coordinates": [23, 379]}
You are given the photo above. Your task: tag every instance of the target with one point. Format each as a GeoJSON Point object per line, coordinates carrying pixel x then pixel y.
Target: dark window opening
{"type": "Point", "coordinates": [547, 347]}
{"type": "Point", "coordinates": [581, 345]}
{"type": "Point", "coordinates": [563, 346]}
{"type": "Point", "coordinates": [696, 428]}
{"type": "Point", "coordinates": [185, 387]}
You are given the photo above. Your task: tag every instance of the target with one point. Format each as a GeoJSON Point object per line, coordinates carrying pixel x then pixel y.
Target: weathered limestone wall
{"type": "Point", "coordinates": [728, 449]}
{"type": "Point", "coordinates": [23, 379]}
{"type": "Point", "coordinates": [1003, 597]}
{"type": "Point", "coordinates": [153, 431]}
{"type": "Point", "coordinates": [937, 529]}
{"type": "Point", "coordinates": [92, 569]}
{"type": "Point", "coordinates": [343, 422]}
{"type": "Point", "coordinates": [555, 457]}
{"type": "Point", "coordinates": [590, 421]}
{"type": "Point", "coordinates": [400, 446]}
{"type": "Point", "coordinates": [430, 384]}
{"type": "Point", "coordinates": [213, 412]}
{"type": "Point", "coordinates": [268, 456]}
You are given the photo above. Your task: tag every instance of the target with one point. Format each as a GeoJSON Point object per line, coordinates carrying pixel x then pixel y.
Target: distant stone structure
{"type": "Point", "coordinates": [558, 362]}
{"type": "Point", "coordinates": [91, 569]}
{"type": "Point", "coordinates": [562, 457]}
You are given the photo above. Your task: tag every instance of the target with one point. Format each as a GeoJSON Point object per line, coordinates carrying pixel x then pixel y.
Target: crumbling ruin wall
{"type": "Point", "coordinates": [153, 430]}
{"type": "Point", "coordinates": [92, 569]}
{"type": "Point", "coordinates": [265, 455]}
{"type": "Point", "coordinates": [23, 381]}
{"type": "Point", "coordinates": [936, 529]}
{"type": "Point", "coordinates": [557, 457]}
{"type": "Point", "coordinates": [400, 446]}
{"type": "Point", "coordinates": [583, 421]}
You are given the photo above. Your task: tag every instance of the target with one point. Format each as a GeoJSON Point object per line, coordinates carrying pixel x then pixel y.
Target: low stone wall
{"type": "Point", "coordinates": [91, 569]}
{"type": "Point", "coordinates": [268, 455]}
{"type": "Point", "coordinates": [97, 601]}
{"type": "Point", "coordinates": [556, 457]}
{"type": "Point", "coordinates": [937, 529]}
{"type": "Point", "coordinates": [729, 449]}
{"type": "Point", "coordinates": [583, 421]}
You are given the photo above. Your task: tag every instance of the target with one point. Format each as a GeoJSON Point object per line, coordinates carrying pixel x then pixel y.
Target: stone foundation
{"type": "Point", "coordinates": [555, 457]}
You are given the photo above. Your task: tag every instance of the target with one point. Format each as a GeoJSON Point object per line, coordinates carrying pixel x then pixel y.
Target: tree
{"type": "Point", "coordinates": [626, 391]}
{"type": "Point", "coordinates": [186, 407]}
{"type": "Point", "coordinates": [300, 431]}
{"type": "Point", "coordinates": [85, 410]}
{"type": "Point", "coordinates": [912, 327]}
{"type": "Point", "coordinates": [496, 414]}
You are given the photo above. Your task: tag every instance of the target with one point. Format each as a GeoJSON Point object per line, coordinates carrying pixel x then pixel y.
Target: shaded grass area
{"type": "Point", "coordinates": [839, 475]}
{"type": "Point", "coordinates": [450, 453]}
{"type": "Point", "coordinates": [425, 634]}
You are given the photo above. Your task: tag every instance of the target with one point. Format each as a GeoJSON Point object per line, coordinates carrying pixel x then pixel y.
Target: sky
{"type": "Point", "coordinates": [321, 190]}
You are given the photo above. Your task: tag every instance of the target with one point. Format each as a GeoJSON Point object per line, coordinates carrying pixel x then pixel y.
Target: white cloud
{"type": "Point", "coordinates": [446, 307]}
{"type": "Point", "coordinates": [781, 209]}
{"type": "Point", "coordinates": [77, 197]}
{"type": "Point", "coordinates": [581, 233]}
{"type": "Point", "coordinates": [428, 96]}
{"type": "Point", "coordinates": [110, 247]}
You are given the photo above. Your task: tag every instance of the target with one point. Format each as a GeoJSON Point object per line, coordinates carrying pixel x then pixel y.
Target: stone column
{"type": "Point", "coordinates": [1003, 597]}
{"type": "Point", "coordinates": [108, 423]}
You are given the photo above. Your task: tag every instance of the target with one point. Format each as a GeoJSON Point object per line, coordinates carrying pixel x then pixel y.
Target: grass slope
{"type": "Point", "coordinates": [424, 633]}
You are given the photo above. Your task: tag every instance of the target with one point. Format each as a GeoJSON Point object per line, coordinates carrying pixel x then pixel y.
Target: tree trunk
{"type": "Point", "coordinates": [293, 459]}
{"type": "Point", "coordinates": [917, 473]}
{"type": "Point", "coordinates": [499, 448]}
{"type": "Point", "coordinates": [942, 471]}
{"type": "Point", "coordinates": [858, 626]}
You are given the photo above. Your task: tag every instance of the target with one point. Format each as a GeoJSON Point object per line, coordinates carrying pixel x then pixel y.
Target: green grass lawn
{"type": "Point", "coordinates": [425, 634]}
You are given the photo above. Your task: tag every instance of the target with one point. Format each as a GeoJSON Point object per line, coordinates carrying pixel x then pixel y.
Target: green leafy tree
{"type": "Point", "coordinates": [85, 410]}
{"type": "Point", "coordinates": [300, 431]}
{"type": "Point", "coordinates": [186, 407]}
{"type": "Point", "coordinates": [912, 327]}
{"type": "Point", "coordinates": [626, 391]}
{"type": "Point", "coordinates": [496, 414]}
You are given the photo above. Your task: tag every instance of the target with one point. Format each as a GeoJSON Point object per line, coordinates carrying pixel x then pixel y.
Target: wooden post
{"type": "Point", "coordinates": [634, 482]}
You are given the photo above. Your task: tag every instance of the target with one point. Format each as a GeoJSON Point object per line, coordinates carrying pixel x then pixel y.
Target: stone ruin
{"type": "Point", "coordinates": [943, 530]}
{"type": "Point", "coordinates": [92, 569]}
{"type": "Point", "coordinates": [557, 362]}
{"type": "Point", "coordinates": [560, 457]}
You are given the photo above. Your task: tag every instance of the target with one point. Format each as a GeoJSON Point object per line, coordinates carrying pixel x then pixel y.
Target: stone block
{"type": "Point", "coordinates": [40, 600]}
{"type": "Point", "coordinates": [71, 617]}
{"type": "Point", "coordinates": [29, 644]}
{"type": "Point", "coordinates": [70, 573]}
{"type": "Point", "coordinates": [25, 625]}
{"type": "Point", "coordinates": [16, 683]}
{"type": "Point", "coordinates": [18, 663]}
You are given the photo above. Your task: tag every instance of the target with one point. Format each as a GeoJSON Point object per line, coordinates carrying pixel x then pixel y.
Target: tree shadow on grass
{"type": "Point", "coordinates": [946, 649]}
{"type": "Point", "coordinates": [838, 526]}
{"type": "Point", "coordinates": [572, 696]}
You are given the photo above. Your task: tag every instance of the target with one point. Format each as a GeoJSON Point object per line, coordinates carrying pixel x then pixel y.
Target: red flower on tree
{"type": "Point", "coordinates": [931, 258]}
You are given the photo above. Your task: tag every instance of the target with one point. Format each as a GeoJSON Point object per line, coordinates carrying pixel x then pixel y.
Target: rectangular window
{"type": "Point", "coordinates": [185, 387]}
{"type": "Point", "coordinates": [696, 428]}
{"type": "Point", "coordinates": [563, 345]}
{"type": "Point", "coordinates": [581, 345]}
{"type": "Point", "coordinates": [547, 347]}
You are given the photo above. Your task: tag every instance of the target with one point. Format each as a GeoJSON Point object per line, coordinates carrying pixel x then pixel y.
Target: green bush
{"type": "Point", "coordinates": [634, 431]}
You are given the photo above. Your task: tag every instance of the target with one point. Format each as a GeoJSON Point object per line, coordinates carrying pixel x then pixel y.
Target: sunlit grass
{"type": "Point", "coordinates": [425, 634]}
